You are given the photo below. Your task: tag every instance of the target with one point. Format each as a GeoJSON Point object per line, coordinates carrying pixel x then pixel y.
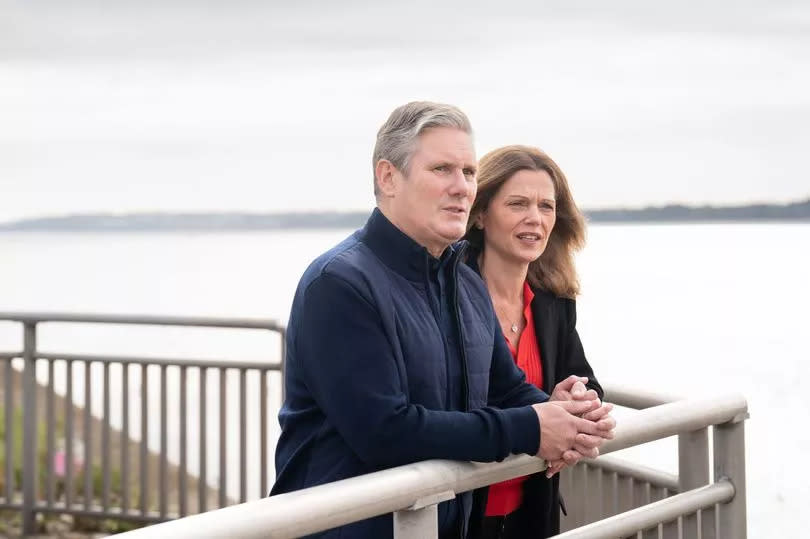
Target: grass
{"type": "Point", "coordinates": [97, 482]}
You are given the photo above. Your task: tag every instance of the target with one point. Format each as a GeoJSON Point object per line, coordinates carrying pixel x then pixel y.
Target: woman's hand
{"type": "Point", "coordinates": [573, 388]}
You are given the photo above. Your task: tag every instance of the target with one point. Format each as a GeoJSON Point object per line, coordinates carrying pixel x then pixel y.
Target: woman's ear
{"type": "Point", "coordinates": [479, 221]}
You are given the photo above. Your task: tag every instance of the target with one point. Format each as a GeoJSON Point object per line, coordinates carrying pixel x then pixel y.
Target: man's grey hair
{"type": "Point", "coordinates": [398, 136]}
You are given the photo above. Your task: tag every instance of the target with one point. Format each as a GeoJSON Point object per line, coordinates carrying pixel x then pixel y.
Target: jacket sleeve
{"type": "Point", "coordinates": [352, 374]}
{"type": "Point", "coordinates": [572, 354]}
{"type": "Point", "coordinates": [508, 387]}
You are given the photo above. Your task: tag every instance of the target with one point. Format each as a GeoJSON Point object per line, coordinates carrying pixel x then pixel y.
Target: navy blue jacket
{"type": "Point", "coordinates": [366, 372]}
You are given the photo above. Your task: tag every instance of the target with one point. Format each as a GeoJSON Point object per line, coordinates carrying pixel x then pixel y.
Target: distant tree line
{"type": "Point", "coordinates": [796, 211]}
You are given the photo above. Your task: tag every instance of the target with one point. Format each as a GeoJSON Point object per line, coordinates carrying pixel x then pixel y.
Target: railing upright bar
{"type": "Point", "coordinates": [223, 437]}
{"type": "Point", "coordinates": [202, 484]}
{"type": "Point", "coordinates": [88, 436]}
{"type": "Point", "coordinates": [143, 467]}
{"type": "Point", "coordinates": [50, 436]}
{"type": "Point", "coordinates": [242, 436]}
{"type": "Point", "coordinates": [183, 494]}
{"type": "Point", "coordinates": [263, 432]}
{"type": "Point", "coordinates": [69, 435]}
{"type": "Point", "coordinates": [670, 530]}
{"type": "Point", "coordinates": [105, 443]}
{"type": "Point", "coordinates": [610, 493]}
{"type": "Point", "coordinates": [8, 412]}
{"type": "Point", "coordinates": [29, 428]}
{"type": "Point", "coordinates": [693, 469]}
{"type": "Point", "coordinates": [164, 450]}
{"type": "Point", "coordinates": [419, 524]}
{"type": "Point", "coordinates": [593, 499]}
{"type": "Point", "coordinates": [125, 438]}
{"type": "Point", "coordinates": [729, 463]}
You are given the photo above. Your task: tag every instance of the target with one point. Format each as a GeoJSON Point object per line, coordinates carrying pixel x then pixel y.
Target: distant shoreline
{"type": "Point", "coordinates": [223, 222]}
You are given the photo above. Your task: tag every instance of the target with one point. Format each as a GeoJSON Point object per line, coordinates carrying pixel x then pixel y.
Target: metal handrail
{"type": "Point", "coordinates": [147, 320]}
{"type": "Point", "coordinates": [419, 485]}
{"type": "Point", "coordinates": [30, 356]}
{"type": "Point", "coordinates": [635, 398]}
{"type": "Point", "coordinates": [638, 472]}
{"type": "Point", "coordinates": [649, 515]}
{"type": "Point", "coordinates": [167, 361]}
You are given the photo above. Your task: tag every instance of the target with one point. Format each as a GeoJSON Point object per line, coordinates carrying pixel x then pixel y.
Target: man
{"type": "Point", "coordinates": [394, 353]}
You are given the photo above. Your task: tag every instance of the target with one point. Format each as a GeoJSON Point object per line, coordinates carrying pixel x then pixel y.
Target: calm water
{"type": "Point", "coordinates": [686, 309]}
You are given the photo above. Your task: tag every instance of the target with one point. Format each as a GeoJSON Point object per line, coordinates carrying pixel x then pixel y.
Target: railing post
{"type": "Point", "coordinates": [729, 463]}
{"type": "Point", "coordinates": [421, 520]}
{"type": "Point", "coordinates": [693, 472]}
{"type": "Point", "coordinates": [29, 478]}
{"type": "Point", "coordinates": [419, 524]}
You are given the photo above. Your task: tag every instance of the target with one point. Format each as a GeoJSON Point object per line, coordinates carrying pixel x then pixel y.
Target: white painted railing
{"type": "Point", "coordinates": [411, 492]}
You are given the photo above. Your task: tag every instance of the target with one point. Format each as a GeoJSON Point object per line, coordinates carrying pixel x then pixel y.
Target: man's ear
{"type": "Point", "coordinates": [385, 175]}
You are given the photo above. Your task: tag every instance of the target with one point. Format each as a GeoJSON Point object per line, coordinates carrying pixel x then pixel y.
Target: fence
{"type": "Point", "coordinates": [411, 492]}
{"type": "Point", "coordinates": [628, 498]}
{"type": "Point", "coordinates": [79, 477]}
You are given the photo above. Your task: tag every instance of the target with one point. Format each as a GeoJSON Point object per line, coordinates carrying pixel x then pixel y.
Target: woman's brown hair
{"type": "Point", "coordinates": [554, 270]}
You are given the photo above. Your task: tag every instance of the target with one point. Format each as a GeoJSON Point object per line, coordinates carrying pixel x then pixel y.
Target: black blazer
{"type": "Point", "coordinates": [561, 355]}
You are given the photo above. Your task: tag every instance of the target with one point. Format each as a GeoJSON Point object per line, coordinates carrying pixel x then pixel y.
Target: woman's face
{"type": "Point", "coordinates": [520, 217]}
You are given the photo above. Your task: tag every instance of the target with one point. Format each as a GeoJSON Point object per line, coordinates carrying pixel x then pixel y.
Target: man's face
{"type": "Point", "coordinates": [432, 203]}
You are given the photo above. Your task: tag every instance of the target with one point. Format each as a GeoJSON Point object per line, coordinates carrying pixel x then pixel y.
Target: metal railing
{"type": "Point", "coordinates": [611, 486]}
{"type": "Point", "coordinates": [411, 492]}
{"type": "Point", "coordinates": [629, 498]}
{"type": "Point", "coordinates": [78, 478]}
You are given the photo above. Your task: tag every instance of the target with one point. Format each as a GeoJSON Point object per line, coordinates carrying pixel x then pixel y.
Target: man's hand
{"type": "Point", "coordinates": [604, 422]}
{"type": "Point", "coordinates": [561, 429]}
{"type": "Point", "coordinates": [573, 388]}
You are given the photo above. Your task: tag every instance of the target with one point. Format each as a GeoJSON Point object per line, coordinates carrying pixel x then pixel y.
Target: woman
{"type": "Point", "coordinates": [524, 228]}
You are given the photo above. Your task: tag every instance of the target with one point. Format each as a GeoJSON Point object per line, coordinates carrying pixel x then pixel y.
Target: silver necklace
{"type": "Point", "coordinates": [512, 325]}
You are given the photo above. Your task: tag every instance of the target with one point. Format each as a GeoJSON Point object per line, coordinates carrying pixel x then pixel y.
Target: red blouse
{"type": "Point", "coordinates": [506, 497]}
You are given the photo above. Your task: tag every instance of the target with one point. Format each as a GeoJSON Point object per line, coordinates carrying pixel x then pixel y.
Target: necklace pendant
{"type": "Point", "coordinates": [514, 328]}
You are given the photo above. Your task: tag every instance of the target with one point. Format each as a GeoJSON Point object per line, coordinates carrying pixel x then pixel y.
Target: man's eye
{"type": "Point", "coordinates": [470, 173]}
{"type": "Point", "coordinates": [441, 168]}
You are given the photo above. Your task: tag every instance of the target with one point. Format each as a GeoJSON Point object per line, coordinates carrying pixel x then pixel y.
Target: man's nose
{"type": "Point", "coordinates": [461, 185]}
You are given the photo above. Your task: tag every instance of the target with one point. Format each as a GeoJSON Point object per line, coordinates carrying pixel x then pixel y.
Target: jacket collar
{"type": "Point", "coordinates": [399, 251]}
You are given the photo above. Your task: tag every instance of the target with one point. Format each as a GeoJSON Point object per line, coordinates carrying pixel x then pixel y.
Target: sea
{"type": "Point", "coordinates": [684, 309]}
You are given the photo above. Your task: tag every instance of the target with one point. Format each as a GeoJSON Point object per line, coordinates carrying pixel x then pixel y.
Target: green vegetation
{"type": "Point", "coordinates": [85, 524]}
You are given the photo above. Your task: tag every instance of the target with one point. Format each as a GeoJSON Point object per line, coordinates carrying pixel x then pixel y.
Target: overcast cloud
{"type": "Point", "coordinates": [258, 106]}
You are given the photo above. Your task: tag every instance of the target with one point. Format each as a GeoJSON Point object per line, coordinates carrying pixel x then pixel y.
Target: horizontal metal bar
{"type": "Point", "coordinates": [673, 418]}
{"type": "Point", "coordinates": [140, 360]}
{"type": "Point", "coordinates": [326, 506]}
{"type": "Point", "coordinates": [149, 320]}
{"type": "Point", "coordinates": [98, 512]}
{"type": "Point", "coordinates": [632, 397]}
{"type": "Point", "coordinates": [623, 467]}
{"type": "Point", "coordinates": [10, 355]}
{"type": "Point", "coordinates": [652, 514]}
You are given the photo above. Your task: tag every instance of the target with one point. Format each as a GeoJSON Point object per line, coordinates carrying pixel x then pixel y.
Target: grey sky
{"type": "Point", "coordinates": [258, 106]}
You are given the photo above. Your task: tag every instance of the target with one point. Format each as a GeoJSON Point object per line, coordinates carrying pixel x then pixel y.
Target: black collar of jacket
{"type": "Point", "coordinates": [400, 252]}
